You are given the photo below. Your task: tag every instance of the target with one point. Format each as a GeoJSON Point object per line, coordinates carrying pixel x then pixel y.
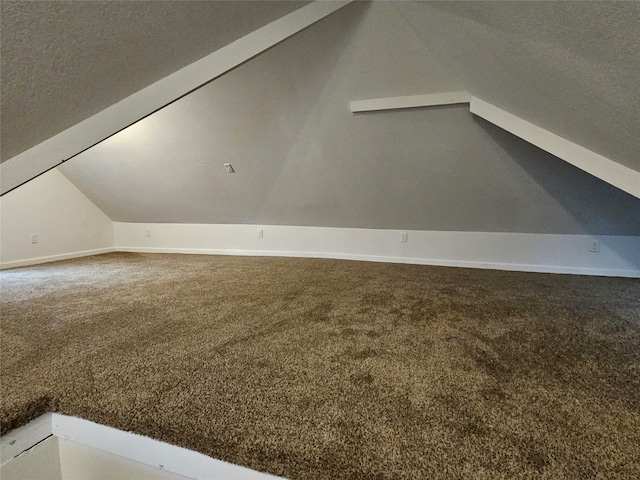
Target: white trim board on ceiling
{"type": "Point", "coordinates": [59, 148]}
{"type": "Point", "coordinates": [610, 171]}
{"type": "Point", "coordinates": [605, 169]}
{"type": "Point", "coordinates": [410, 101]}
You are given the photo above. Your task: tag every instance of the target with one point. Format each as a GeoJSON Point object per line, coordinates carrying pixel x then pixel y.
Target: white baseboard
{"type": "Point", "coordinates": [54, 258]}
{"type": "Point", "coordinates": [547, 253]}
{"type": "Point", "coordinates": [619, 256]}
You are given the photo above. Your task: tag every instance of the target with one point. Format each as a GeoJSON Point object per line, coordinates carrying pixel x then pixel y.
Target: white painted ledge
{"type": "Point", "coordinates": [412, 101]}
{"type": "Point", "coordinates": [93, 130]}
{"type": "Point", "coordinates": [610, 171]}
{"type": "Point", "coordinates": [20, 439]}
{"type": "Point", "coordinates": [619, 256]}
{"type": "Point", "coordinates": [137, 448]}
{"type": "Point", "coordinates": [150, 452]}
{"type": "Point", "coordinates": [605, 169]}
{"type": "Point", "coordinates": [53, 258]}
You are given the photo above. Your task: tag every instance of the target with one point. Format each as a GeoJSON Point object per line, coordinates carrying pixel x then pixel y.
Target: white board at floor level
{"type": "Point", "coordinates": [22, 438]}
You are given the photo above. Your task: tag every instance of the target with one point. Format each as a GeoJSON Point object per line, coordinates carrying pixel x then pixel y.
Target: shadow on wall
{"type": "Point", "coordinates": [598, 207]}
{"type": "Point", "coordinates": [251, 117]}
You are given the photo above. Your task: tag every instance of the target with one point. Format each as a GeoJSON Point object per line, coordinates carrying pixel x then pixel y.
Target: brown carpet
{"type": "Point", "coordinates": [328, 369]}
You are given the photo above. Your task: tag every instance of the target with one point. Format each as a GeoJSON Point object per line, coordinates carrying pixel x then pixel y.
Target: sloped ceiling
{"type": "Point", "coordinates": [572, 68]}
{"type": "Point", "coordinates": [62, 61]}
{"type": "Point", "coordinates": [302, 158]}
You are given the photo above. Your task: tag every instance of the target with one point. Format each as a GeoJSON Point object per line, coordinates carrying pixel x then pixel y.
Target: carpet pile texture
{"type": "Point", "coordinates": [329, 369]}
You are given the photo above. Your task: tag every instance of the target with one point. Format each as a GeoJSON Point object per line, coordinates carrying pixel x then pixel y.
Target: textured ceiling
{"type": "Point", "coordinates": [283, 120]}
{"type": "Point", "coordinates": [61, 62]}
{"type": "Point", "coordinates": [570, 67]}
{"type": "Point", "coordinates": [302, 158]}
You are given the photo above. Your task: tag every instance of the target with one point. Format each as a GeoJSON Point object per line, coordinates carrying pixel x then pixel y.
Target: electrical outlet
{"type": "Point", "coordinates": [404, 238]}
{"type": "Point", "coordinates": [594, 247]}
{"type": "Point", "coordinates": [148, 232]}
{"type": "Point", "coordinates": [260, 233]}
{"type": "Point", "coordinates": [34, 238]}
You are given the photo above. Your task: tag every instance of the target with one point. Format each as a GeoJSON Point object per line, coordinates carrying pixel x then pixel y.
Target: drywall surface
{"type": "Point", "coordinates": [302, 158]}
{"type": "Point", "coordinates": [104, 448]}
{"type": "Point", "coordinates": [142, 103]}
{"type": "Point", "coordinates": [60, 459]}
{"type": "Point", "coordinates": [80, 462]}
{"type": "Point", "coordinates": [41, 462]}
{"type": "Point", "coordinates": [569, 67]}
{"type": "Point", "coordinates": [73, 59]}
{"type": "Point", "coordinates": [611, 255]}
{"type": "Point", "coordinates": [64, 220]}
{"type": "Point", "coordinates": [59, 447]}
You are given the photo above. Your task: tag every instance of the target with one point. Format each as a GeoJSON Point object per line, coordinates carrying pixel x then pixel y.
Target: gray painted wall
{"type": "Point", "coordinates": [302, 158]}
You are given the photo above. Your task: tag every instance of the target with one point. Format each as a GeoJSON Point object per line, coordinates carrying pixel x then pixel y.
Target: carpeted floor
{"type": "Point", "coordinates": [328, 369]}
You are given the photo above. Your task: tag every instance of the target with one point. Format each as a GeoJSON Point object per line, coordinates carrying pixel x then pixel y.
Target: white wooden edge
{"type": "Point", "coordinates": [436, 262]}
{"type": "Point", "coordinates": [20, 439]}
{"type": "Point", "coordinates": [411, 101]}
{"type": "Point", "coordinates": [608, 170]}
{"type": "Point", "coordinates": [568, 254]}
{"type": "Point", "coordinates": [128, 445]}
{"type": "Point", "coordinates": [605, 169]}
{"type": "Point", "coordinates": [148, 451]}
{"type": "Point", "coordinates": [555, 253]}
{"type": "Point", "coordinates": [87, 133]}
{"type": "Point", "coordinates": [54, 258]}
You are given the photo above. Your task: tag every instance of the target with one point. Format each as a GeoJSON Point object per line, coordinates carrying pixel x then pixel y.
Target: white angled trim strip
{"type": "Point", "coordinates": [20, 439]}
{"type": "Point", "coordinates": [150, 452]}
{"type": "Point", "coordinates": [605, 169]}
{"type": "Point", "coordinates": [411, 101]}
{"type": "Point", "coordinates": [87, 133]}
